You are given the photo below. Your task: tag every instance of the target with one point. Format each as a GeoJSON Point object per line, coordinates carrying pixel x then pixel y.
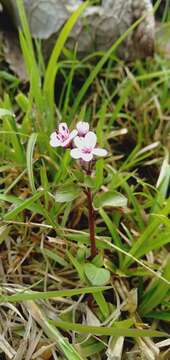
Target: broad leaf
{"type": "Point", "coordinates": [67, 193]}
{"type": "Point", "coordinates": [109, 199]}
{"type": "Point", "coordinates": [96, 276]}
{"type": "Point", "coordinates": [89, 181]}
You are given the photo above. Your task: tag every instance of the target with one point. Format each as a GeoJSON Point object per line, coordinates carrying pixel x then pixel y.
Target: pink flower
{"type": "Point", "coordinates": [63, 137]}
{"type": "Point", "coordinates": [83, 128]}
{"type": "Point", "coordinates": [85, 147]}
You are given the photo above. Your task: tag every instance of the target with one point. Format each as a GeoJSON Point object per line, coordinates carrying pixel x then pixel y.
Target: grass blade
{"type": "Point", "coordinates": [61, 342]}
{"type": "Point", "coordinates": [111, 331]}
{"type": "Point", "coordinates": [156, 293]}
{"type": "Point", "coordinates": [29, 157]}
{"type": "Point", "coordinates": [24, 204]}
{"type": "Point", "coordinates": [52, 68]}
{"type": "Point", "coordinates": [18, 202]}
{"type": "Point", "coordinates": [99, 66]}
{"type": "Point", "coordinates": [25, 295]}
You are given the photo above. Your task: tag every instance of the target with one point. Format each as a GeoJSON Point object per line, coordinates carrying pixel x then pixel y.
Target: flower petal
{"type": "Point", "coordinates": [86, 157]}
{"type": "Point", "coordinates": [99, 152]}
{"type": "Point", "coordinates": [73, 134]}
{"type": "Point", "coordinates": [90, 139]}
{"type": "Point", "coordinates": [63, 127]}
{"type": "Point", "coordinates": [79, 142]}
{"type": "Point", "coordinates": [83, 128]}
{"type": "Point", "coordinates": [54, 142]}
{"type": "Point", "coordinates": [75, 153]}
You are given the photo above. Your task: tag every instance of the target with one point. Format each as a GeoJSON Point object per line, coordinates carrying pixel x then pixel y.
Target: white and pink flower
{"type": "Point", "coordinates": [85, 147]}
{"type": "Point", "coordinates": [82, 128]}
{"type": "Point", "coordinates": [63, 137]}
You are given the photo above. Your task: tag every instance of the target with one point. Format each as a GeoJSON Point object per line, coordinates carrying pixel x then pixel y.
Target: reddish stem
{"type": "Point", "coordinates": [91, 224]}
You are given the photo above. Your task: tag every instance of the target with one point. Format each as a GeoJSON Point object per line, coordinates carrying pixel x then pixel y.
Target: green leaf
{"type": "Point", "coordinates": [29, 56]}
{"type": "Point", "coordinates": [91, 348]}
{"type": "Point", "coordinates": [109, 198]}
{"type": "Point", "coordinates": [112, 331]}
{"type": "Point", "coordinates": [54, 256]}
{"type": "Point", "coordinates": [93, 74]}
{"type": "Point", "coordinates": [156, 293]}
{"type": "Point", "coordinates": [30, 150]}
{"type": "Point", "coordinates": [112, 227]}
{"type": "Point", "coordinates": [149, 232]}
{"type": "Point", "coordinates": [22, 101]}
{"type": "Point", "coordinates": [83, 238]}
{"type": "Point", "coordinates": [21, 205]}
{"type": "Point", "coordinates": [96, 276]}
{"type": "Point", "coordinates": [5, 112]}
{"type": "Point", "coordinates": [18, 152]}
{"type": "Point", "coordinates": [77, 265]}
{"type": "Point", "coordinates": [19, 202]}
{"type": "Point", "coordinates": [36, 295]}
{"type": "Point", "coordinates": [89, 181]}
{"type": "Point", "coordinates": [102, 304]}
{"type": "Point", "coordinates": [67, 193]}
{"type": "Point", "coordinates": [159, 315]}
{"type": "Point", "coordinates": [51, 70]}
{"type": "Point", "coordinates": [99, 173]}
{"type": "Point", "coordinates": [53, 334]}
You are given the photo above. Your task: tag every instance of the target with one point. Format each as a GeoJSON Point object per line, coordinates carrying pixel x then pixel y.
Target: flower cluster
{"type": "Point", "coordinates": [81, 141]}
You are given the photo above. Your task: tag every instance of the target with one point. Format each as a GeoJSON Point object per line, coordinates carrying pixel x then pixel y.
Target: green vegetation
{"type": "Point", "coordinates": [46, 276]}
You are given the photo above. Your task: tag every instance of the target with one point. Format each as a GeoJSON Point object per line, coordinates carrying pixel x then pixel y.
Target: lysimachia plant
{"type": "Point", "coordinates": [82, 144]}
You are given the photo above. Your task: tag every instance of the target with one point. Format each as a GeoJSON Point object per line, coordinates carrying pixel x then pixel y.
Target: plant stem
{"type": "Point", "coordinates": [91, 224]}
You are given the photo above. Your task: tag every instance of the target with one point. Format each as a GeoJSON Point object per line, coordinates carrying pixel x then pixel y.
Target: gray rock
{"type": "Point", "coordinates": [97, 29]}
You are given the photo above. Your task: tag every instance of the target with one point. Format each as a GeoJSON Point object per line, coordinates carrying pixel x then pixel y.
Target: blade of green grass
{"type": "Point", "coordinates": [69, 83]}
{"type": "Point", "coordinates": [25, 26]}
{"type": "Point", "coordinates": [30, 57]}
{"type": "Point", "coordinates": [18, 202]}
{"type": "Point", "coordinates": [61, 342]}
{"type": "Point", "coordinates": [124, 95]}
{"type": "Point", "coordinates": [77, 266]}
{"type": "Point", "coordinates": [9, 124]}
{"type": "Point", "coordinates": [99, 66]}
{"type": "Point", "coordinates": [113, 231]}
{"type": "Point", "coordinates": [51, 70]}
{"type": "Point", "coordinates": [107, 331]}
{"type": "Point", "coordinates": [100, 300]}
{"type": "Point", "coordinates": [92, 348]}
{"type": "Point", "coordinates": [151, 229]}
{"type": "Point", "coordinates": [141, 263]}
{"type": "Point", "coordinates": [4, 112]}
{"type": "Point", "coordinates": [102, 304]}
{"type": "Point", "coordinates": [13, 184]}
{"type": "Point", "coordinates": [21, 205]}
{"type": "Point", "coordinates": [29, 157]}
{"type": "Point", "coordinates": [26, 295]}
{"type": "Point", "coordinates": [156, 293]}
{"type": "Point", "coordinates": [54, 256]}
{"type": "Point", "coordinates": [159, 315]}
